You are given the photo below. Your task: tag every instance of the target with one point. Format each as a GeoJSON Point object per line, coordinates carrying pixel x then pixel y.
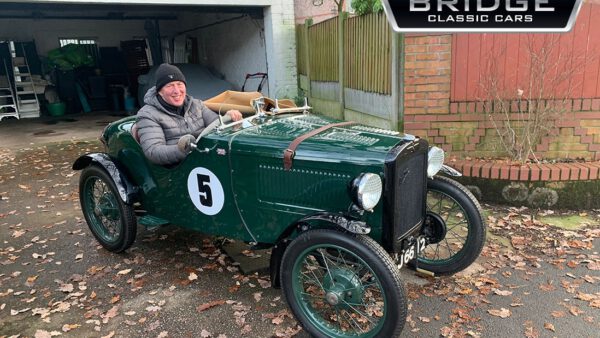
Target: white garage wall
{"type": "Point", "coordinates": [279, 36]}
{"type": "Point", "coordinates": [279, 47]}
{"type": "Point", "coordinates": [234, 48]}
{"type": "Point", "coordinates": [46, 32]}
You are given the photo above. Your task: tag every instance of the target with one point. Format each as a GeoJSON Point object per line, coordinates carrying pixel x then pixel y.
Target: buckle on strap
{"type": "Point", "coordinates": [289, 152]}
{"type": "Point", "coordinates": [288, 155]}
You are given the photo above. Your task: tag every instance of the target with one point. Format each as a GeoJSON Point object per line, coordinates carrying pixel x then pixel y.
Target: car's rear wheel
{"type": "Point", "coordinates": [343, 285]}
{"type": "Point", "coordinates": [111, 221]}
{"type": "Point", "coordinates": [455, 227]}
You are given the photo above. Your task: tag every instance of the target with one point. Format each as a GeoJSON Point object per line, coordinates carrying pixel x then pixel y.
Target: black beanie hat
{"type": "Point", "coordinates": [167, 73]}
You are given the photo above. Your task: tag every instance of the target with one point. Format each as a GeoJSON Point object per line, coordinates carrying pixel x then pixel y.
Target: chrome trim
{"type": "Point", "coordinates": [450, 171]}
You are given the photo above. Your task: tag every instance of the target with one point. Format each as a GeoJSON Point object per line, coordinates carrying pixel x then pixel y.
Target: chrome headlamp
{"type": "Point", "coordinates": [435, 161]}
{"type": "Point", "coordinates": [366, 190]}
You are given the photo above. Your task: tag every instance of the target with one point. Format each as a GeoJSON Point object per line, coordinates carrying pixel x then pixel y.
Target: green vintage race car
{"type": "Point", "coordinates": [343, 206]}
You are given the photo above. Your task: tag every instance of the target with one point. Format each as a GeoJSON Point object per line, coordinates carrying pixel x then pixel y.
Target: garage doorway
{"type": "Point", "coordinates": [110, 47]}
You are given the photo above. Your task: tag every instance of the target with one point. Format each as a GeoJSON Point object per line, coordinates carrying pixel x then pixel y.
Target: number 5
{"type": "Point", "coordinates": [204, 190]}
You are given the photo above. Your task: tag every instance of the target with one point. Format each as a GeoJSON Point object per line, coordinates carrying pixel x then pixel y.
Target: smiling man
{"type": "Point", "coordinates": [168, 114]}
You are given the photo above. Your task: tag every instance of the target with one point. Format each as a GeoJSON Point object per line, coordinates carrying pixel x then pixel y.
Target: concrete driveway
{"type": "Point", "coordinates": [533, 279]}
{"type": "Point", "coordinates": [17, 134]}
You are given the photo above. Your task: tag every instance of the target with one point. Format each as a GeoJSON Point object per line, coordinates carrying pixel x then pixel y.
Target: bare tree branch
{"type": "Point", "coordinates": [540, 101]}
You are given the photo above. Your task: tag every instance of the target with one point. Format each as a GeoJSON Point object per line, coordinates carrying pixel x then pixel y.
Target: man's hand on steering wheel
{"type": "Point", "coordinates": [234, 114]}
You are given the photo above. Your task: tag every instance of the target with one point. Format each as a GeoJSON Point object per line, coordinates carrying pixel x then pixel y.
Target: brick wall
{"type": "Point", "coordinates": [463, 128]}
{"type": "Point", "coordinates": [427, 78]}
{"type": "Point", "coordinates": [577, 135]}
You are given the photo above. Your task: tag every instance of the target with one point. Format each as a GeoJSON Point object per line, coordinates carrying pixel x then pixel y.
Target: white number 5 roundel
{"type": "Point", "coordinates": [205, 191]}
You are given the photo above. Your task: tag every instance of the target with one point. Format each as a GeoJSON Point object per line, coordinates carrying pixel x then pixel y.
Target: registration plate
{"type": "Point", "coordinates": [411, 252]}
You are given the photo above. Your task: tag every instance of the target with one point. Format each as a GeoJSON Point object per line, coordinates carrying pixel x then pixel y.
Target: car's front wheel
{"type": "Point", "coordinates": [455, 226]}
{"type": "Point", "coordinates": [111, 221]}
{"type": "Point", "coordinates": [343, 285]}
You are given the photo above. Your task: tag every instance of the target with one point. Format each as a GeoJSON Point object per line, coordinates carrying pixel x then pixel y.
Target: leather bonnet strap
{"type": "Point", "coordinates": [290, 152]}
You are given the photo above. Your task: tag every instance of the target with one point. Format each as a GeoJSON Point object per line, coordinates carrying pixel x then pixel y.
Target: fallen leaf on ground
{"type": "Point", "coordinates": [594, 266]}
{"type": "Point", "coordinates": [288, 332]}
{"type": "Point", "coordinates": [503, 292]}
{"type": "Point", "coordinates": [42, 334]}
{"type": "Point", "coordinates": [585, 296]}
{"type": "Point", "coordinates": [246, 329]}
{"type": "Point", "coordinates": [66, 288]}
{"type": "Point", "coordinates": [265, 284]}
{"type": "Point", "coordinates": [110, 314]}
{"type": "Point", "coordinates": [547, 287]}
{"type": "Point", "coordinates": [18, 233]}
{"type": "Point", "coordinates": [575, 311]}
{"type": "Point", "coordinates": [153, 308]}
{"type": "Point", "coordinates": [502, 313]}
{"type": "Point", "coordinates": [531, 332]}
{"type": "Point", "coordinates": [518, 241]}
{"type": "Point", "coordinates": [16, 312]}
{"type": "Point", "coordinates": [69, 327]}
{"type": "Point", "coordinates": [209, 305]}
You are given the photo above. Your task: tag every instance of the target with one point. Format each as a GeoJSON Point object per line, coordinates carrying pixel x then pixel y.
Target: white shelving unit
{"type": "Point", "coordinates": [8, 106]}
{"type": "Point", "coordinates": [28, 105]}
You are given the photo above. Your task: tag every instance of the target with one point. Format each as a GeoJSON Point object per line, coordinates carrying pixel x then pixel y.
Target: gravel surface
{"type": "Point", "coordinates": [533, 279]}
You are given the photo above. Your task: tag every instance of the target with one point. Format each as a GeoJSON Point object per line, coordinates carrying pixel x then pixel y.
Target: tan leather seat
{"type": "Point", "coordinates": [230, 99]}
{"type": "Point", "coordinates": [134, 133]}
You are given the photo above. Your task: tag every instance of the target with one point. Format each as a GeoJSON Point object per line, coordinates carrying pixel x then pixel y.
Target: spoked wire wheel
{"type": "Point", "coordinates": [456, 227]}
{"type": "Point", "coordinates": [111, 221]}
{"type": "Point", "coordinates": [343, 286]}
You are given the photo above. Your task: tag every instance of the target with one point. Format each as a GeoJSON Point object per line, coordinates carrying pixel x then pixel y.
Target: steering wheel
{"type": "Point", "coordinates": [212, 126]}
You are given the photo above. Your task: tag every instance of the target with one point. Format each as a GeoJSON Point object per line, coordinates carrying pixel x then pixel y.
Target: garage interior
{"type": "Point", "coordinates": [61, 59]}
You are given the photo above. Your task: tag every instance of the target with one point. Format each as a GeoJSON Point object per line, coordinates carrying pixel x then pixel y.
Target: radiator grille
{"type": "Point", "coordinates": [405, 192]}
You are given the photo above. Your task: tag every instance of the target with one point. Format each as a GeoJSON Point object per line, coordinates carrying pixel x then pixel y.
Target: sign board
{"type": "Point", "coordinates": [481, 15]}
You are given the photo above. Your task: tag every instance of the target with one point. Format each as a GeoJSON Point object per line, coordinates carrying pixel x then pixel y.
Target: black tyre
{"type": "Point", "coordinates": [111, 221]}
{"type": "Point", "coordinates": [353, 289]}
{"type": "Point", "coordinates": [457, 224]}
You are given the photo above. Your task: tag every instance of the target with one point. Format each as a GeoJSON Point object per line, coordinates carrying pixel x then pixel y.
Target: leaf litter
{"type": "Point", "coordinates": [107, 287]}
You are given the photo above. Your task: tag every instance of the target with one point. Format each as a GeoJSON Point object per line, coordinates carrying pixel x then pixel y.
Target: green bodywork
{"type": "Point", "coordinates": [260, 199]}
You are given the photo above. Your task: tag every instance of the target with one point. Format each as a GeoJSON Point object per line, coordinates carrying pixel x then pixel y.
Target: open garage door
{"type": "Point", "coordinates": [90, 56]}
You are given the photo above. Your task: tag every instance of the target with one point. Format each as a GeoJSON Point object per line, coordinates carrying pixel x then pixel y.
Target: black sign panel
{"type": "Point", "coordinates": [482, 15]}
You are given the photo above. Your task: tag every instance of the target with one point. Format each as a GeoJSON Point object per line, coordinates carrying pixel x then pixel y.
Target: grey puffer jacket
{"type": "Point", "coordinates": [159, 130]}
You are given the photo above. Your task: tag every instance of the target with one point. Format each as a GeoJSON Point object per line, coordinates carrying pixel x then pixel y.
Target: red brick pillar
{"type": "Point", "coordinates": [427, 78]}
